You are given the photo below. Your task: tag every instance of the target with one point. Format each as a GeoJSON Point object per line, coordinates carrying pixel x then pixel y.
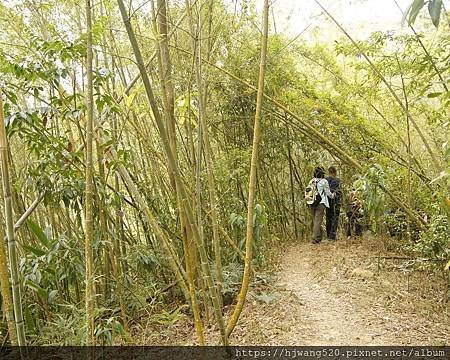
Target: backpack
{"type": "Point", "coordinates": [312, 196]}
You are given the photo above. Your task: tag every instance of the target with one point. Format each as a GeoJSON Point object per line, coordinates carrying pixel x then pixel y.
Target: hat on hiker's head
{"type": "Point", "coordinates": [319, 172]}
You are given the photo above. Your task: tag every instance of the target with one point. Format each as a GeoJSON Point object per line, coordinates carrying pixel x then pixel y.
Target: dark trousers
{"type": "Point", "coordinates": [354, 224]}
{"type": "Point", "coordinates": [332, 218]}
{"type": "Point", "coordinates": [317, 217]}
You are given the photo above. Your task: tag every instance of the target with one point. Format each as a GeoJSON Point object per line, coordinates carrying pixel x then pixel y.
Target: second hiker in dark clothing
{"type": "Point", "coordinates": [332, 212]}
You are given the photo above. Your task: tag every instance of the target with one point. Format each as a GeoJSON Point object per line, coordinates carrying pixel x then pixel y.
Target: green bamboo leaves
{"type": "Point", "coordinates": [434, 9]}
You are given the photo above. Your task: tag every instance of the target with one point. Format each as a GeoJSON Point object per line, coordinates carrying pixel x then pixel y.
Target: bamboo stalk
{"type": "Point", "coordinates": [202, 97]}
{"type": "Point", "coordinates": [171, 160]}
{"type": "Point", "coordinates": [9, 218]}
{"type": "Point", "coordinates": [167, 91]}
{"type": "Point", "coordinates": [291, 182]}
{"type": "Point", "coordinates": [408, 137]}
{"type": "Point", "coordinates": [252, 179]}
{"type": "Point", "coordinates": [164, 67]}
{"type": "Point", "coordinates": [6, 291]}
{"type": "Point", "coordinates": [118, 240]}
{"type": "Point", "coordinates": [28, 212]}
{"type": "Point", "coordinates": [152, 222]}
{"type": "Point", "coordinates": [197, 168]}
{"type": "Point", "coordinates": [105, 250]}
{"type": "Point", "coordinates": [322, 141]}
{"type": "Point", "coordinates": [89, 192]}
{"type": "Point", "coordinates": [389, 87]}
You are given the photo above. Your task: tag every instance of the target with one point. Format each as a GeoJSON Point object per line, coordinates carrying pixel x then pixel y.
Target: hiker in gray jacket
{"type": "Point", "coordinates": [317, 208]}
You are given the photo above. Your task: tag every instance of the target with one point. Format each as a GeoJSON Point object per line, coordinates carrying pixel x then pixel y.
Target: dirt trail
{"type": "Point", "coordinates": [349, 292]}
{"type": "Point", "coordinates": [328, 318]}
{"type": "Point", "coordinates": [345, 299]}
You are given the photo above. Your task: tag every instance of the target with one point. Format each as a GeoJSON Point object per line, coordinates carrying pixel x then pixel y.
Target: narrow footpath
{"type": "Point", "coordinates": [353, 292]}
{"type": "Point", "coordinates": [350, 292]}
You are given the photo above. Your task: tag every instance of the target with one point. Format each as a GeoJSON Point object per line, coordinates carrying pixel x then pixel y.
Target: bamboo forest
{"type": "Point", "coordinates": [225, 172]}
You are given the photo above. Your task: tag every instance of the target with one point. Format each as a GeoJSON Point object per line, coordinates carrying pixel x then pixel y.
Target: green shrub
{"type": "Point", "coordinates": [434, 243]}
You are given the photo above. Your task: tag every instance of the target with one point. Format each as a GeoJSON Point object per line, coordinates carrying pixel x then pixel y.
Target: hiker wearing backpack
{"type": "Point", "coordinates": [334, 209]}
{"type": "Point", "coordinates": [316, 195]}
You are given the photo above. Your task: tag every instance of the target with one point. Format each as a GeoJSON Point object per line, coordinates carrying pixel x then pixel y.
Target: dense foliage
{"type": "Point", "coordinates": [330, 86]}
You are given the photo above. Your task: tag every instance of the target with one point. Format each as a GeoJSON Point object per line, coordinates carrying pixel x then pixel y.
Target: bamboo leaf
{"type": "Point", "coordinates": [434, 8]}
{"type": "Point", "coordinates": [29, 321]}
{"type": "Point", "coordinates": [43, 293]}
{"type": "Point", "coordinates": [35, 251]}
{"type": "Point", "coordinates": [406, 12]}
{"type": "Point", "coordinates": [129, 99]}
{"type": "Point", "coordinates": [414, 11]}
{"type": "Point", "coordinates": [36, 230]}
{"type": "Point", "coordinates": [52, 296]}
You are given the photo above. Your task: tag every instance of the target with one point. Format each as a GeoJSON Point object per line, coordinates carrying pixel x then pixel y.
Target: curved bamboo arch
{"type": "Point", "coordinates": [316, 135]}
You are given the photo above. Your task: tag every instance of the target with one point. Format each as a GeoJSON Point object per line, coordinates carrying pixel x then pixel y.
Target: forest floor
{"type": "Point", "coordinates": [348, 292]}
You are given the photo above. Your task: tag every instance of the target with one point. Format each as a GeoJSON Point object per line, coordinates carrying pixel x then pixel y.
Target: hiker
{"type": "Point", "coordinates": [316, 195]}
{"type": "Point", "coordinates": [355, 214]}
{"type": "Point", "coordinates": [332, 212]}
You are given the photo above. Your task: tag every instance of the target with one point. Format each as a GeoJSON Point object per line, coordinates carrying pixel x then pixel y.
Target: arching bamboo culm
{"type": "Point", "coordinates": [404, 108]}
{"type": "Point", "coordinates": [322, 140]}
